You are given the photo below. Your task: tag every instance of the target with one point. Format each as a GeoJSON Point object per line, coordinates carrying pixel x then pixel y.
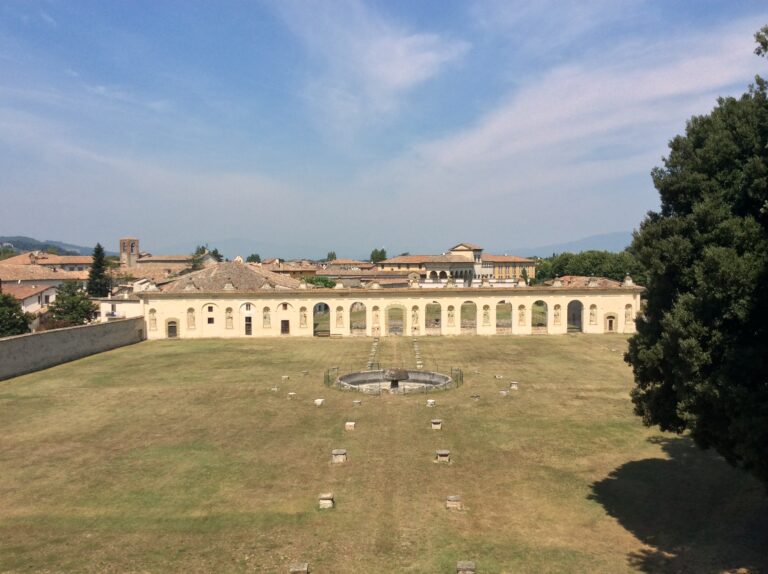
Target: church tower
{"type": "Point", "coordinates": [129, 251]}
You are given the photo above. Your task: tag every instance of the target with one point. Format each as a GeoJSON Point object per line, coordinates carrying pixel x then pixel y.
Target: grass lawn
{"type": "Point", "coordinates": [175, 456]}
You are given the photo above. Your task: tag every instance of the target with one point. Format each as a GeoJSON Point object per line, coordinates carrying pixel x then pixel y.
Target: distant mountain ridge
{"type": "Point", "coordinates": [616, 242]}
{"type": "Point", "coordinates": [22, 243]}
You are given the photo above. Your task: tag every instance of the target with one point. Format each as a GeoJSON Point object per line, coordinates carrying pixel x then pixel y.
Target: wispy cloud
{"type": "Point", "coordinates": [364, 63]}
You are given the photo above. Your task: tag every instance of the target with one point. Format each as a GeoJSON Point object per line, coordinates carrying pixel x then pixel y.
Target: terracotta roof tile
{"type": "Point", "coordinates": [38, 272]}
{"type": "Point", "coordinates": [230, 276]}
{"type": "Point", "coordinates": [21, 292]}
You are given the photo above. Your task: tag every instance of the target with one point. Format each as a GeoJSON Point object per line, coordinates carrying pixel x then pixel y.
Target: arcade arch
{"type": "Point", "coordinates": [539, 317]}
{"type": "Point", "coordinates": [358, 322]}
{"type": "Point", "coordinates": [575, 314]}
{"type": "Point", "coordinates": [321, 320]}
{"type": "Point", "coordinates": [395, 320]}
{"type": "Point", "coordinates": [503, 317]}
{"type": "Point", "coordinates": [433, 318]}
{"type": "Point", "coordinates": [468, 318]}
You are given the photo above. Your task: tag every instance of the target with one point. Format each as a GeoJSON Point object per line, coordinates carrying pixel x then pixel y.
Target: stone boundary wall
{"type": "Point", "coordinates": [35, 351]}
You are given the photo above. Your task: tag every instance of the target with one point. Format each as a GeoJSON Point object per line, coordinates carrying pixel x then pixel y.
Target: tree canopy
{"type": "Point", "coordinates": [378, 255]}
{"type": "Point", "coordinates": [700, 355]}
{"type": "Point", "coordinates": [591, 263]}
{"type": "Point", "coordinates": [253, 258]}
{"type": "Point", "coordinates": [331, 256]}
{"type": "Point", "coordinates": [321, 281]}
{"type": "Point", "coordinates": [13, 320]}
{"type": "Point", "coordinates": [99, 283]}
{"type": "Point", "coordinates": [72, 305]}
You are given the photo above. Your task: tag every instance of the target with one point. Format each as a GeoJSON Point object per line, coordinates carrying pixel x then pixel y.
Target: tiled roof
{"type": "Point", "coordinates": [472, 246]}
{"type": "Point", "coordinates": [356, 262]}
{"type": "Point", "coordinates": [38, 272]}
{"type": "Point", "coordinates": [164, 258]}
{"type": "Point", "coordinates": [230, 276]}
{"type": "Point", "coordinates": [505, 259]}
{"type": "Point", "coordinates": [31, 258]}
{"type": "Point", "coordinates": [22, 292]}
{"type": "Point", "coordinates": [418, 259]}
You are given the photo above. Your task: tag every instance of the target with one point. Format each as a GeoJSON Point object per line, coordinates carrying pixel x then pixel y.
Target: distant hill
{"type": "Point", "coordinates": [615, 242]}
{"type": "Point", "coordinates": [21, 243]}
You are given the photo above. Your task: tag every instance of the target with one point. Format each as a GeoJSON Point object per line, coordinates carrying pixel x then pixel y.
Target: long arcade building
{"type": "Point", "coordinates": [240, 300]}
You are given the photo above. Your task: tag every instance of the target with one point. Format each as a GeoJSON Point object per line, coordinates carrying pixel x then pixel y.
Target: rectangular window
{"type": "Point", "coordinates": [248, 307]}
{"type": "Point", "coordinates": [248, 326]}
{"type": "Point", "coordinates": [210, 308]}
{"type": "Point", "coordinates": [285, 306]}
{"type": "Point", "coordinates": [210, 320]}
{"type": "Point", "coordinates": [47, 299]}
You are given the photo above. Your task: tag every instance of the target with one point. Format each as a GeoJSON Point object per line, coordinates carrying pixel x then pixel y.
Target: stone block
{"type": "Point", "coordinates": [431, 403]}
{"type": "Point", "coordinates": [465, 567]}
{"type": "Point", "coordinates": [442, 455]}
{"type": "Point", "coordinates": [513, 385]}
{"type": "Point", "coordinates": [503, 392]}
{"type": "Point", "coordinates": [299, 568]}
{"type": "Point", "coordinates": [326, 500]}
{"type": "Point", "coordinates": [475, 397]}
{"type": "Point", "coordinates": [339, 455]}
{"type": "Point", "coordinates": [291, 396]}
{"type": "Point", "coordinates": [453, 502]}
{"type": "Point", "coordinates": [349, 425]}
{"type": "Point", "coordinates": [285, 377]}
{"type": "Point", "coordinates": [274, 389]}
{"type": "Point", "coordinates": [497, 377]}
{"type": "Point", "coordinates": [437, 424]}
{"type": "Point", "coordinates": [319, 402]}
{"type": "Point", "coordinates": [357, 402]}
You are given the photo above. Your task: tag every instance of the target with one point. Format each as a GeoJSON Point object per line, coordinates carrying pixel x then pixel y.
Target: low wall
{"type": "Point", "coordinates": [35, 351]}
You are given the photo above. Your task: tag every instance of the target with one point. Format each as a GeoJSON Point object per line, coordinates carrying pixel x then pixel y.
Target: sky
{"type": "Point", "coordinates": [294, 128]}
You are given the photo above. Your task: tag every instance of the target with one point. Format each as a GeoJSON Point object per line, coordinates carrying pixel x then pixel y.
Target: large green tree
{"type": "Point", "coordinates": [378, 255]}
{"type": "Point", "coordinates": [13, 320]}
{"type": "Point", "coordinates": [99, 283]}
{"type": "Point", "coordinates": [591, 263]}
{"type": "Point", "coordinates": [700, 356]}
{"type": "Point", "coordinates": [72, 305]}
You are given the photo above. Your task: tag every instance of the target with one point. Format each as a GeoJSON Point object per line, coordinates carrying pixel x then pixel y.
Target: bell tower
{"type": "Point", "coordinates": [129, 251]}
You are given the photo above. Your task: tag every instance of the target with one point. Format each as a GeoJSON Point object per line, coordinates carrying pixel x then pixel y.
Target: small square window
{"type": "Point", "coordinates": [210, 310]}
{"type": "Point", "coordinates": [247, 306]}
{"type": "Point", "coordinates": [210, 320]}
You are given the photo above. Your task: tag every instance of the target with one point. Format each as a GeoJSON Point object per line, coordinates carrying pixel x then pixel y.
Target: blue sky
{"type": "Point", "coordinates": [293, 128]}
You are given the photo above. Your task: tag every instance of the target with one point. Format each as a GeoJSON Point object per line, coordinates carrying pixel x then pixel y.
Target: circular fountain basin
{"type": "Point", "coordinates": [396, 381]}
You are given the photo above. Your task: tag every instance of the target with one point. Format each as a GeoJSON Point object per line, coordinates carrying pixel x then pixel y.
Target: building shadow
{"type": "Point", "coordinates": [696, 512]}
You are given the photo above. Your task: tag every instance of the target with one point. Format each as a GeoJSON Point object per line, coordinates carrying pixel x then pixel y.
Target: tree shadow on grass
{"type": "Point", "coordinates": [697, 512]}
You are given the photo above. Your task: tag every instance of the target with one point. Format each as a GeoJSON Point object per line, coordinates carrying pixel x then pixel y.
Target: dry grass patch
{"type": "Point", "coordinates": [177, 456]}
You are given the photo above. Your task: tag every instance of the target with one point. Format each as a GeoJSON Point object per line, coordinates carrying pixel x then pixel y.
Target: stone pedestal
{"type": "Point", "coordinates": [442, 455]}
{"type": "Point", "coordinates": [357, 402]}
{"type": "Point", "coordinates": [299, 568]}
{"type": "Point", "coordinates": [437, 424]}
{"type": "Point", "coordinates": [465, 567]}
{"type": "Point", "coordinates": [513, 386]}
{"type": "Point", "coordinates": [503, 392]}
{"type": "Point", "coordinates": [274, 389]}
{"type": "Point", "coordinates": [285, 377]}
{"type": "Point", "coordinates": [349, 425]}
{"type": "Point", "coordinates": [291, 396]}
{"type": "Point", "coordinates": [431, 403]}
{"type": "Point", "coordinates": [326, 500]}
{"type": "Point", "coordinates": [497, 377]}
{"type": "Point", "coordinates": [339, 455]}
{"type": "Point", "coordinates": [319, 402]}
{"type": "Point", "coordinates": [453, 502]}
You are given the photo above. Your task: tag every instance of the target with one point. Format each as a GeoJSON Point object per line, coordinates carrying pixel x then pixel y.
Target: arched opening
{"type": "Point", "coordinates": [433, 277]}
{"type": "Point", "coordinates": [172, 329]}
{"type": "Point", "coordinates": [303, 318]}
{"type": "Point", "coordinates": [503, 317]}
{"type": "Point", "coordinates": [432, 318]}
{"type": "Point", "coordinates": [557, 318]}
{"type": "Point", "coordinates": [395, 320]}
{"type": "Point", "coordinates": [357, 319]}
{"type": "Point", "coordinates": [190, 318]}
{"type": "Point", "coordinates": [575, 317]}
{"type": "Point", "coordinates": [152, 320]}
{"type": "Point", "coordinates": [443, 276]}
{"type": "Point", "coordinates": [539, 317]}
{"type": "Point", "coordinates": [468, 318]}
{"type": "Point", "coordinates": [228, 319]}
{"type": "Point", "coordinates": [610, 323]}
{"type": "Point", "coordinates": [321, 320]}
{"type": "Point", "coordinates": [284, 313]}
